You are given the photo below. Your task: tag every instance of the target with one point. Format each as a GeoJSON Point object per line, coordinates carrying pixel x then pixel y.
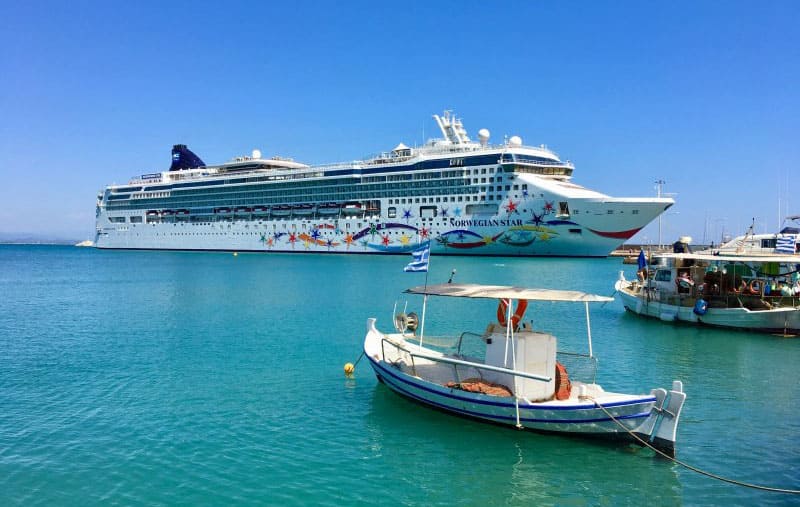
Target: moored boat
{"type": "Point", "coordinates": [513, 375]}
{"type": "Point", "coordinates": [755, 293]}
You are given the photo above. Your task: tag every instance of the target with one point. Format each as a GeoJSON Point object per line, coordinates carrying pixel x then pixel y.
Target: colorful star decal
{"type": "Point", "coordinates": [329, 244]}
{"type": "Point", "coordinates": [365, 243]}
{"type": "Point", "coordinates": [511, 207]}
{"type": "Point", "coordinates": [548, 207]}
{"type": "Point", "coordinates": [292, 238]}
{"type": "Point", "coordinates": [349, 240]}
{"type": "Point", "coordinates": [443, 212]}
{"type": "Point", "coordinates": [270, 241]}
{"type": "Point", "coordinates": [537, 219]}
{"type": "Point", "coordinates": [424, 232]}
{"type": "Point", "coordinates": [263, 238]}
{"type": "Point", "coordinates": [315, 234]}
{"type": "Point", "coordinates": [404, 239]}
{"type": "Point", "coordinates": [525, 193]}
{"type": "Point", "coordinates": [373, 229]}
{"type": "Point", "coordinates": [457, 212]}
{"type": "Point", "coordinates": [488, 240]}
{"type": "Point", "coordinates": [407, 215]}
{"type": "Point", "coordinates": [306, 244]}
{"type": "Point", "coordinates": [385, 240]}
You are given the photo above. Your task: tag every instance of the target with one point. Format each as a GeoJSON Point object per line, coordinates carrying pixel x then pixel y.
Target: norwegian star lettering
{"type": "Point", "coordinates": [484, 223]}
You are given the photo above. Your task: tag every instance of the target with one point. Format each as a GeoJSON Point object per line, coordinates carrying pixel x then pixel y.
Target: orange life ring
{"type": "Point", "coordinates": [755, 286]}
{"type": "Point", "coordinates": [502, 308]}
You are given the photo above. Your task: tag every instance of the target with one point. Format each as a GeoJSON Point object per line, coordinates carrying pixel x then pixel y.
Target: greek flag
{"type": "Point", "coordinates": [785, 244]}
{"type": "Point", "coordinates": [421, 259]}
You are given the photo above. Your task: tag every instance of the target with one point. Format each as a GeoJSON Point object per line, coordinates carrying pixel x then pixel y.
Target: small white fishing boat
{"type": "Point", "coordinates": [754, 293]}
{"type": "Point", "coordinates": [512, 374]}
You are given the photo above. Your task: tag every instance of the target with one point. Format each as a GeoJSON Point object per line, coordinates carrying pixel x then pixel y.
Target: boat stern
{"type": "Point", "coordinates": [660, 428]}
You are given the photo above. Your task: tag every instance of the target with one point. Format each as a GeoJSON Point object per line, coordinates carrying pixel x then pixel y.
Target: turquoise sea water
{"type": "Point", "coordinates": [166, 378]}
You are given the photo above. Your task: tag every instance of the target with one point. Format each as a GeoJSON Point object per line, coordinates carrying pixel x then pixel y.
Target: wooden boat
{"type": "Point", "coordinates": [514, 375]}
{"type": "Point", "coordinates": [750, 292]}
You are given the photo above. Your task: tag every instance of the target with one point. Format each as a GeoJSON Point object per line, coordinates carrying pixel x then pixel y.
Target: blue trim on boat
{"type": "Point", "coordinates": [497, 417]}
{"type": "Point", "coordinates": [507, 405]}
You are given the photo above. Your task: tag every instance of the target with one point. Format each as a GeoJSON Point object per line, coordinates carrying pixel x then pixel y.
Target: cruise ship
{"type": "Point", "coordinates": [461, 197]}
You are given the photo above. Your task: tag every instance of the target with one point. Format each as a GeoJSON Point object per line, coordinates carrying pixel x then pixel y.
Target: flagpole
{"type": "Point", "coordinates": [424, 301]}
{"type": "Point", "coordinates": [422, 259]}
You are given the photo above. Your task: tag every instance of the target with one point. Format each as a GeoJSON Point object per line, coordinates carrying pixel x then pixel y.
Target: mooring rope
{"type": "Point", "coordinates": [688, 466]}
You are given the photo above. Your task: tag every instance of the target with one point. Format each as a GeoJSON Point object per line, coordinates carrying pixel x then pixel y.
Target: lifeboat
{"type": "Point", "coordinates": [328, 208]}
{"type": "Point", "coordinates": [351, 208]}
{"type": "Point", "coordinates": [302, 209]}
{"type": "Point", "coordinates": [281, 210]}
{"type": "Point", "coordinates": [222, 211]}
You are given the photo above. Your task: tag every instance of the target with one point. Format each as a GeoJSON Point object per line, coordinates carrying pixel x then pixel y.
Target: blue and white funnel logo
{"type": "Point", "coordinates": [176, 156]}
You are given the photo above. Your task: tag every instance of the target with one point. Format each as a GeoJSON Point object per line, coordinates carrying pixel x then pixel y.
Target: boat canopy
{"type": "Point", "coordinates": [472, 290]}
{"type": "Point", "coordinates": [781, 259]}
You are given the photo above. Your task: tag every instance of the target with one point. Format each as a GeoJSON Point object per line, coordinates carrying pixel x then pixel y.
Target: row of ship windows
{"type": "Point", "coordinates": [234, 198]}
{"type": "Point", "coordinates": [347, 188]}
{"type": "Point", "coordinates": [401, 178]}
{"type": "Point", "coordinates": [321, 192]}
{"type": "Point", "coordinates": [244, 199]}
{"type": "Point", "coordinates": [434, 179]}
{"type": "Point", "coordinates": [174, 203]}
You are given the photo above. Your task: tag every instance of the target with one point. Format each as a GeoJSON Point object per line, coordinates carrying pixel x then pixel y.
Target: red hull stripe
{"type": "Point", "coordinates": [619, 235]}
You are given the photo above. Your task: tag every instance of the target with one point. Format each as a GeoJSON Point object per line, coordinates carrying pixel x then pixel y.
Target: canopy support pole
{"type": "Point", "coordinates": [510, 337]}
{"type": "Point", "coordinates": [588, 328]}
{"type": "Point", "coordinates": [422, 324]}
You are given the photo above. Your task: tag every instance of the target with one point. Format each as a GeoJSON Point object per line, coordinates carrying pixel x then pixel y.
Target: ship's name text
{"type": "Point", "coordinates": [483, 223]}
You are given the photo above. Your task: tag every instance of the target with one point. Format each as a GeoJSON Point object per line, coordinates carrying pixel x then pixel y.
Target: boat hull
{"type": "Point", "coordinates": [777, 320]}
{"type": "Point", "coordinates": [561, 417]}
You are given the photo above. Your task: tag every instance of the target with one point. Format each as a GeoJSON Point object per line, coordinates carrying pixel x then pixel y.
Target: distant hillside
{"type": "Point", "coordinates": [21, 238]}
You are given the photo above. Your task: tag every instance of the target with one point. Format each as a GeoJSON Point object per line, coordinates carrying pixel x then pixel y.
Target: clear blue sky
{"type": "Point", "coordinates": [704, 95]}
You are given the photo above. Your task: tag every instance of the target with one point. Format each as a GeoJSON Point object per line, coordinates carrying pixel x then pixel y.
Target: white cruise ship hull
{"type": "Point", "coordinates": [528, 230]}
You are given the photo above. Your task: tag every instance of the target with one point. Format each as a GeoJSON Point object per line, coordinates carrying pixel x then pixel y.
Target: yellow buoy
{"type": "Point", "coordinates": [349, 369]}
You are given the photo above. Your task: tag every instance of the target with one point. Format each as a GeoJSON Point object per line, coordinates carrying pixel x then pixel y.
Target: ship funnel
{"type": "Point", "coordinates": [183, 158]}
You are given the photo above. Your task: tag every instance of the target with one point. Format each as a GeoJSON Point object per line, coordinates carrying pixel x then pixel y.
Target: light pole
{"type": "Point", "coordinates": [659, 184]}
